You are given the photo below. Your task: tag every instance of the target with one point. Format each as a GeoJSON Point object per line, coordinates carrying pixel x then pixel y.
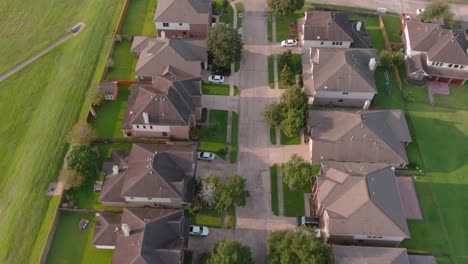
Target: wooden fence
{"type": "Point", "coordinates": [389, 48]}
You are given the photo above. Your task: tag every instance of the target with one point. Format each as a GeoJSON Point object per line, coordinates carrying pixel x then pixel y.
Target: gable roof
{"type": "Point", "coordinates": [343, 70]}
{"type": "Point", "coordinates": [171, 103]}
{"type": "Point", "coordinates": [183, 11]}
{"type": "Point", "coordinates": [156, 236]}
{"type": "Point", "coordinates": [157, 171]}
{"type": "Point", "coordinates": [158, 56]}
{"type": "Point", "coordinates": [107, 86]}
{"type": "Point", "coordinates": [105, 228]}
{"type": "Point", "coordinates": [361, 199]}
{"type": "Point", "coordinates": [440, 44]}
{"type": "Point", "coordinates": [371, 255]}
{"type": "Point", "coordinates": [358, 135]}
{"type": "Point", "coordinates": [324, 25]}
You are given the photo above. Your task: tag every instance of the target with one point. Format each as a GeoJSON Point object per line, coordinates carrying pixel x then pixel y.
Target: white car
{"type": "Point", "coordinates": [199, 230]}
{"type": "Point", "coordinates": [289, 43]}
{"type": "Point", "coordinates": [420, 11]}
{"type": "Point", "coordinates": [216, 79]}
{"type": "Point", "coordinates": [206, 156]}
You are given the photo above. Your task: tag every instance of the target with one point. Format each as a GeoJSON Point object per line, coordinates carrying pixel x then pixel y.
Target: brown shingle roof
{"type": "Point", "coordinates": [369, 255]}
{"type": "Point", "coordinates": [361, 199]}
{"type": "Point", "coordinates": [331, 26]}
{"type": "Point", "coordinates": [183, 11]}
{"type": "Point", "coordinates": [105, 229]}
{"type": "Point", "coordinates": [107, 86]}
{"type": "Point", "coordinates": [343, 70]}
{"type": "Point", "coordinates": [157, 55]}
{"type": "Point", "coordinates": [171, 103]}
{"type": "Point", "coordinates": [156, 171]}
{"type": "Point", "coordinates": [358, 135]}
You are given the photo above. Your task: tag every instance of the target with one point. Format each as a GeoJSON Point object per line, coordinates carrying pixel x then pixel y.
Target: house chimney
{"type": "Point", "coordinates": [372, 64]}
{"type": "Point", "coordinates": [115, 169]}
{"type": "Point", "coordinates": [145, 117]}
{"type": "Point", "coordinates": [126, 230]}
{"type": "Point", "coordinates": [358, 25]}
{"type": "Point", "coordinates": [163, 34]}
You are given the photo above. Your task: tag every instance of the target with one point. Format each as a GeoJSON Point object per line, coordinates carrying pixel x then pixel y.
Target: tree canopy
{"type": "Point", "coordinates": [233, 194]}
{"type": "Point", "coordinates": [296, 172]}
{"type": "Point", "coordinates": [70, 179]}
{"type": "Point", "coordinates": [272, 114]}
{"type": "Point", "coordinates": [82, 159]}
{"type": "Point", "coordinates": [94, 96]}
{"type": "Point", "coordinates": [209, 190]}
{"type": "Point", "coordinates": [297, 246]}
{"type": "Point", "coordinates": [285, 7]}
{"type": "Point", "coordinates": [229, 252]}
{"type": "Point", "coordinates": [385, 58]}
{"type": "Point", "coordinates": [438, 9]}
{"type": "Point", "coordinates": [81, 133]}
{"type": "Point", "coordinates": [224, 45]}
{"type": "Point", "coordinates": [398, 58]}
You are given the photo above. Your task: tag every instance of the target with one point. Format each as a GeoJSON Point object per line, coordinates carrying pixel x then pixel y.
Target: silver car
{"type": "Point", "coordinates": [216, 79]}
{"type": "Point", "coordinates": [199, 231]}
{"type": "Point", "coordinates": [206, 156]}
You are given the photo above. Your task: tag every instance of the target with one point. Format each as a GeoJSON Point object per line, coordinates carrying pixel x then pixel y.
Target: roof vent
{"type": "Point", "coordinates": [116, 229]}
{"type": "Point", "coordinates": [145, 117]}
{"type": "Point", "coordinates": [131, 112]}
{"type": "Point", "coordinates": [318, 37]}
{"type": "Point", "coordinates": [126, 230]}
{"type": "Point", "coordinates": [151, 172]}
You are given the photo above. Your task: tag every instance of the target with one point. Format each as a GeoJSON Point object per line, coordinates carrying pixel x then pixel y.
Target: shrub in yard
{"type": "Point", "coordinates": [273, 114]}
{"type": "Point", "coordinates": [408, 96]}
{"type": "Point", "coordinates": [94, 96]}
{"type": "Point", "coordinates": [195, 134]}
{"type": "Point", "coordinates": [297, 172]}
{"type": "Point", "coordinates": [209, 190]}
{"type": "Point", "coordinates": [232, 194]}
{"type": "Point", "coordinates": [287, 76]}
{"type": "Point", "coordinates": [286, 59]}
{"type": "Point", "coordinates": [70, 179]}
{"type": "Point", "coordinates": [436, 9]}
{"type": "Point", "coordinates": [385, 58]}
{"type": "Point", "coordinates": [82, 159]}
{"type": "Point", "coordinates": [398, 58]}
{"type": "Point", "coordinates": [229, 252]}
{"type": "Point", "coordinates": [285, 7]}
{"type": "Point", "coordinates": [81, 133]}
{"type": "Point", "coordinates": [225, 3]}
{"type": "Point", "coordinates": [293, 31]}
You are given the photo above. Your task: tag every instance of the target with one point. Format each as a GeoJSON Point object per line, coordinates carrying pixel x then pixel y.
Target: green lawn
{"type": "Point", "coordinates": [139, 18]}
{"type": "Point", "coordinates": [224, 18]}
{"type": "Point", "coordinates": [36, 120]}
{"type": "Point", "coordinates": [208, 217]}
{"type": "Point", "coordinates": [285, 140]}
{"type": "Point", "coordinates": [234, 137]}
{"type": "Point", "coordinates": [274, 188]}
{"type": "Point", "coordinates": [236, 90]}
{"type": "Point", "coordinates": [240, 10]}
{"type": "Point", "coordinates": [297, 67]}
{"type": "Point", "coordinates": [215, 89]}
{"type": "Point", "coordinates": [282, 24]}
{"type": "Point", "coordinates": [373, 28]}
{"type": "Point", "coordinates": [214, 135]}
{"type": "Point", "coordinates": [341, 7]}
{"type": "Point", "coordinates": [123, 62]}
{"type": "Point", "coordinates": [271, 72]}
{"type": "Point", "coordinates": [110, 115]}
{"type": "Point", "coordinates": [387, 97]}
{"type": "Point", "coordinates": [270, 29]}
{"type": "Point", "coordinates": [273, 135]}
{"type": "Point", "coordinates": [393, 28]}
{"type": "Point", "coordinates": [231, 215]}
{"type": "Point", "coordinates": [70, 245]}
{"type": "Point", "coordinates": [293, 200]}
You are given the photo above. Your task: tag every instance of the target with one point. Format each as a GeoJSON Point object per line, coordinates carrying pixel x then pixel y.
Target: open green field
{"type": "Point", "coordinates": [110, 115]}
{"type": "Point", "coordinates": [139, 19]}
{"type": "Point", "coordinates": [282, 24]}
{"type": "Point", "coordinates": [123, 62]}
{"type": "Point", "coordinates": [39, 105]}
{"type": "Point", "coordinates": [73, 246]}
{"type": "Point", "coordinates": [213, 136]}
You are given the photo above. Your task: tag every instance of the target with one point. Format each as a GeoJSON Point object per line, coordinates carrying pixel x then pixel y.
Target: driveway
{"type": "Point", "coordinates": [218, 167]}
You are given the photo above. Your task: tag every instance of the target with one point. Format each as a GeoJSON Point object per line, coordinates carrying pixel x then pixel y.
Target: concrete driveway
{"type": "Point", "coordinates": [218, 166]}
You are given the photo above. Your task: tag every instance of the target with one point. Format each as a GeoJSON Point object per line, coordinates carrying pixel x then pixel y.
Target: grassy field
{"type": "Point", "coordinates": [123, 62]}
{"type": "Point", "coordinates": [274, 188]}
{"type": "Point", "coordinates": [273, 135]}
{"type": "Point", "coordinates": [271, 72]}
{"type": "Point", "coordinates": [214, 135]}
{"type": "Point", "coordinates": [215, 89]}
{"type": "Point", "coordinates": [285, 140]}
{"type": "Point", "coordinates": [36, 120]}
{"type": "Point", "coordinates": [234, 137]}
{"type": "Point", "coordinates": [139, 19]}
{"type": "Point", "coordinates": [70, 245]}
{"type": "Point", "coordinates": [110, 115]}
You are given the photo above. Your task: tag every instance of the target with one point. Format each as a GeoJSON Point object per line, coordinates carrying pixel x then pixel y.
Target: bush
{"type": "Point", "coordinates": [398, 58]}
{"type": "Point", "coordinates": [296, 172]}
{"type": "Point", "coordinates": [70, 179]}
{"type": "Point", "coordinates": [81, 133]}
{"type": "Point", "coordinates": [385, 58]}
{"type": "Point", "coordinates": [285, 7]}
{"type": "Point", "coordinates": [293, 31]}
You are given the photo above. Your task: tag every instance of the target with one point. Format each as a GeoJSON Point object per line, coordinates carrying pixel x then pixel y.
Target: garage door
{"type": "Point", "coordinates": [456, 82]}
{"type": "Point", "coordinates": [443, 80]}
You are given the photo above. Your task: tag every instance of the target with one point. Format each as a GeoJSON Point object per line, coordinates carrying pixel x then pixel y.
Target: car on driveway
{"type": "Point", "coordinates": [289, 43]}
{"type": "Point", "coordinates": [221, 71]}
{"type": "Point", "coordinates": [216, 79]}
{"type": "Point", "coordinates": [420, 11]}
{"type": "Point", "coordinates": [307, 221]}
{"type": "Point", "coordinates": [206, 156]}
{"type": "Point", "coordinates": [199, 231]}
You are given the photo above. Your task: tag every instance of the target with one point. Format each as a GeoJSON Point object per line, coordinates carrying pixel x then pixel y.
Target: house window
{"type": "Point", "coordinates": [138, 126]}
{"type": "Point", "coordinates": [151, 127]}
{"type": "Point", "coordinates": [433, 63]}
{"type": "Point", "coordinates": [149, 198]}
{"type": "Point", "coordinates": [131, 198]}
{"type": "Point", "coordinates": [461, 66]}
{"type": "Point", "coordinates": [340, 43]}
{"type": "Point", "coordinates": [144, 127]}
{"type": "Point", "coordinates": [180, 24]}
{"type": "Point", "coordinates": [340, 100]}
{"type": "Point", "coordinates": [450, 65]}
{"type": "Point", "coordinates": [333, 43]}
{"type": "Point", "coordinates": [321, 42]}
{"type": "Point", "coordinates": [165, 24]}
{"type": "Point", "coordinates": [456, 66]}
{"type": "Point", "coordinates": [164, 134]}
{"type": "Point", "coordinates": [345, 92]}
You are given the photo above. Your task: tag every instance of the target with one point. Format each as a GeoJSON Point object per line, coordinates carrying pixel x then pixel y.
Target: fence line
{"type": "Point", "coordinates": [389, 48]}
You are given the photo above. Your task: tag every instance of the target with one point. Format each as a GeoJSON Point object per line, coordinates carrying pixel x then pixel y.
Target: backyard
{"type": "Point", "coordinates": [214, 135]}
{"type": "Point", "coordinates": [110, 115]}
{"type": "Point", "coordinates": [122, 65]}
{"type": "Point", "coordinates": [139, 19]}
{"type": "Point", "coordinates": [36, 120]}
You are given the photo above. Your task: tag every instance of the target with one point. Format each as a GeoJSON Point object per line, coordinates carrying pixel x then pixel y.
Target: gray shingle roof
{"type": "Point", "coordinates": [183, 11]}
{"type": "Point", "coordinates": [324, 25]}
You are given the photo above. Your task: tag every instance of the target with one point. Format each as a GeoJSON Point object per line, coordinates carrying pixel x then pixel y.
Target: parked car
{"type": "Point", "coordinates": [199, 231]}
{"type": "Point", "coordinates": [206, 156]}
{"type": "Point", "coordinates": [216, 79]}
{"type": "Point", "coordinates": [307, 221]}
{"type": "Point", "coordinates": [420, 11]}
{"type": "Point", "coordinates": [289, 43]}
{"type": "Point", "coordinates": [221, 71]}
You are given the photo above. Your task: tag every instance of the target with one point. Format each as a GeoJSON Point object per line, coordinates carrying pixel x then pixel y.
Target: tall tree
{"type": "Point", "coordinates": [209, 190]}
{"type": "Point", "coordinates": [70, 179]}
{"type": "Point", "coordinates": [273, 114]}
{"type": "Point", "coordinates": [297, 246]}
{"type": "Point", "coordinates": [438, 9]}
{"type": "Point", "coordinates": [229, 252]}
{"type": "Point", "coordinates": [81, 133]}
{"type": "Point", "coordinates": [82, 159]}
{"type": "Point", "coordinates": [293, 121]}
{"type": "Point", "coordinates": [296, 172]}
{"type": "Point", "coordinates": [232, 194]}
{"type": "Point", "coordinates": [94, 96]}
{"type": "Point", "coordinates": [285, 7]}
{"type": "Point", "coordinates": [224, 46]}
{"type": "Point", "coordinates": [294, 98]}
{"type": "Point", "coordinates": [287, 76]}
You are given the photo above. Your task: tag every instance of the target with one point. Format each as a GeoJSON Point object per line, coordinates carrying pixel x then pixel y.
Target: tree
{"type": "Point", "coordinates": [398, 58]}
{"type": "Point", "coordinates": [286, 59]}
{"type": "Point", "coordinates": [438, 9]}
{"type": "Point", "coordinates": [385, 58]}
{"type": "Point", "coordinates": [296, 172]}
{"type": "Point", "coordinates": [232, 194]}
{"type": "Point", "coordinates": [94, 96]}
{"type": "Point", "coordinates": [229, 252]}
{"type": "Point", "coordinates": [292, 122]}
{"type": "Point", "coordinates": [209, 190]}
{"type": "Point", "coordinates": [297, 246]}
{"type": "Point", "coordinates": [82, 159]}
{"type": "Point", "coordinates": [224, 46]}
{"type": "Point", "coordinates": [272, 115]}
{"type": "Point", "coordinates": [294, 98]}
{"type": "Point", "coordinates": [81, 133]}
{"type": "Point", "coordinates": [287, 75]}
{"type": "Point", "coordinates": [285, 7]}
{"type": "Point", "coordinates": [70, 179]}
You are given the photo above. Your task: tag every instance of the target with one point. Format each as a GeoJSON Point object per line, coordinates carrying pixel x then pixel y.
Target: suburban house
{"type": "Point", "coordinates": [378, 255]}
{"type": "Point", "coordinates": [367, 136]}
{"type": "Point", "coordinates": [154, 175]}
{"type": "Point", "coordinates": [435, 52]}
{"type": "Point", "coordinates": [175, 59]}
{"type": "Point", "coordinates": [323, 29]}
{"type": "Point", "coordinates": [183, 18]}
{"type": "Point", "coordinates": [359, 203]}
{"type": "Point", "coordinates": [143, 235]}
{"type": "Point", "coordinates": [110, 89]}
{"type": "Point", "coordinates": [340, 77]}
{"type": "Point", "coordinates": [163, 108]}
